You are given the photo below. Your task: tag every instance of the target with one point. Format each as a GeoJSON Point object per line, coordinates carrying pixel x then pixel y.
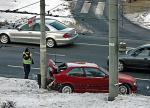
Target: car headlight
{"type": "Point", "coordinates": [134, 83]}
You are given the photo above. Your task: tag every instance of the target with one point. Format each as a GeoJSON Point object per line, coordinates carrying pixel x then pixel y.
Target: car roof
{"type": "Point", "coordinates": [146, 45]}
{"type": "Point", "coordinates": [142, 46]}
{"type": "Point", "coordinates": [81, 64]}
{"type": "Point", "coordinates": [47, 20]}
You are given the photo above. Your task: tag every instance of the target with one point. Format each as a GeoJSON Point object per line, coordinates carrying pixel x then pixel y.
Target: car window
{"type": "Point", "coordinates": [57, 25]}
{"type": "Point", "coordinates": [37, 27]}
{"type": "Point", "coordinates": [94, 72]}
{"type": "Point", "coordinates": [76, 72]}
{"type": "Point", "coordinates": [25, 28]}
{"type": "Point", "coordinates": [143, 52]}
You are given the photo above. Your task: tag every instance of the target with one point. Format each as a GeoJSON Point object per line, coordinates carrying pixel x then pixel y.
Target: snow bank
{"type": "Point", "coordinates": [142, 19]}
{"type": "Point", "coordinates": [24, 93]}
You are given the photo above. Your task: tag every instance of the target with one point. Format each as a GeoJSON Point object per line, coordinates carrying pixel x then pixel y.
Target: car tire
{"type": "Point", "coordinates": [121, 66]}
{"type": "Point", "coordinates": [124, 89]}
{"type": "Point", "coordinates": [50, 43]}
{"type": "Point", "coordinates": [4, 38]}
{"type": "Point", "coordinates": [66, 89]}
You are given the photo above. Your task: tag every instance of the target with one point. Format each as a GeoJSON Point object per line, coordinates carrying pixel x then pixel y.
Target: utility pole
{"type": "Point", "coordinates": [43, 45]}
{"type": "Point", "coordinates": [113, 49]}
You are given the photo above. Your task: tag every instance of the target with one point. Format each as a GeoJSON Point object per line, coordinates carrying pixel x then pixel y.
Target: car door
{"type": "Point", "coordinates": [146, 57]}
{"type": "Point", "coordinates": [23, 34]}
{"type": "Point", "coordinates": [76, 77]}
{"type": "Point", "coordinates": [97, 80]}
{"type": "Point", "coordinates": [36, 33]}
{"type": "Point", "coordinates": [139, 58]}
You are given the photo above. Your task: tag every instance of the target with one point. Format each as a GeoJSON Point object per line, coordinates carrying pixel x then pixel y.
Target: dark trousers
{"type": "Point", "coordinates": [27, 68]}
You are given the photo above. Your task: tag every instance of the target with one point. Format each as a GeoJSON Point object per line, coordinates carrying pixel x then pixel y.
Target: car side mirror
{"type": "Point", "coordinates": [129, 51]}
{"type": "Point", "coordinates": [106, 76]}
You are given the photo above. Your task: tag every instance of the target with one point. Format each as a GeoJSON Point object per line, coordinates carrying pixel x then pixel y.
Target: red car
{"type": "Point", "coordinates": [86, 77]}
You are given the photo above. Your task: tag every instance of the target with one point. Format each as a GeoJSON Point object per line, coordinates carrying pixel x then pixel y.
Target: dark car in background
{"type": "Point", "coordinates": [86, 77]}
{"type": "Point", "coordinates": [136, 58]}
{"type": "Point", "coordinates": [56, 33]}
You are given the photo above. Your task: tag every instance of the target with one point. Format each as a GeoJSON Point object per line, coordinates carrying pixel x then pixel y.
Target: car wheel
{"type": "Point", "coordinates": [50, 43]}
{"type": "Point", "coordinates": [66, 89]}
{"type": "Point", "coordinates": [120, 66]}
{"type": "Point", "coordinates": [4, 39]}
{"type": "Point", "coordinates": [124, 89]}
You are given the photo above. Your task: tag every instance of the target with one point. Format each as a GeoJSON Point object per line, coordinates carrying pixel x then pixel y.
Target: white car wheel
{"type": "Point", "coordinates": [4, 39]}
{"type": "Point", "coordinates": [124, 89]}
{"type": "Point", "coordinates": [50, 43]}
{"type": "Point", "coordinates": [120, 66]}
{"type": "Point", "coordinates": [66, 89]}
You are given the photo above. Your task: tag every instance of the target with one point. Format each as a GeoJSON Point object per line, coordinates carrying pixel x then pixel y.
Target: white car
{"type": "Point", "coordinates": [56, 33]}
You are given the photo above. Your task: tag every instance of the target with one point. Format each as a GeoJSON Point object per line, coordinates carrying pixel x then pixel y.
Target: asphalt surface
{"type": "Point", "coordinates": [86, 48]}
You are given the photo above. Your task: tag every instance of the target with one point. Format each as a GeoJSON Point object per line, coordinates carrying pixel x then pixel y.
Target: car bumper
{"type": "Point", "coordinates": [66, 41]}
{"type": "Point", "coordinates": [134, 89]}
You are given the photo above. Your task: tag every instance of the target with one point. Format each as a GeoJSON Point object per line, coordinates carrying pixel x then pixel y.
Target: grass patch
{"type": "Point", "coordinates": [137, 6]}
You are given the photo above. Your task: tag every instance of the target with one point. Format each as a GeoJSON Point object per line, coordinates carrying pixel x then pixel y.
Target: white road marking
{"type": "Point", "coordinates": [100, 8]}
{"type": "Point", "coordinates": [52, 54]}
{"type": "Point", "coordinates": [13, 66]}
{"type": "Point", "coordinates": [86, 7]}
{"type": "Point", "coordinates": [98, 45]}
{"type": "Point", "coordinates": [91, 44]}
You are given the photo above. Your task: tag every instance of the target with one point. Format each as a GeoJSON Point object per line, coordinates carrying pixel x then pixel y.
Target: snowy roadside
{"type": "Point", "coordinates": [24, 93]}
{"type": "Point", "coordinates": [62, 8]}
{"type": "Point", "coordinates": [142, 19]}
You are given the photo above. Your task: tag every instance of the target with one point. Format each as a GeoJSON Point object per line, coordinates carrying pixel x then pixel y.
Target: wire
{"type": "Point", "coordinates": [55, 7]}
{"type": "Point", "coordinates": [26, 6]}
{"type": "Point", "coordinates": [71, 16]}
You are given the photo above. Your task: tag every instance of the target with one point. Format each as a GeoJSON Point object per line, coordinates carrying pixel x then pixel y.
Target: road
{"type": "Point", "coordinates": [86, 48]}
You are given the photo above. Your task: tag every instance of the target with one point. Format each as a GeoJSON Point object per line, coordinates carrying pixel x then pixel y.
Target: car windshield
{"type": "Point", "coordinates": [104, 70]}
{"type": "Point", "coordinates": [57, 25]}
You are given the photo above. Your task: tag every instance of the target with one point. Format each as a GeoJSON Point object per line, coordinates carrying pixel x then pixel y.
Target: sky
{"type": "Point", "coordinates": [24, 93]}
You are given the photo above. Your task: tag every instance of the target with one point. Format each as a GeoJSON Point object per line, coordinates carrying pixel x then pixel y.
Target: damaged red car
{"type": "Point", "coordinates": [83, 77]}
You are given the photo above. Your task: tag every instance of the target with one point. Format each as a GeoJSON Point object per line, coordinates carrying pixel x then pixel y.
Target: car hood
{"type": "Point", "coordinates": [126, 77]}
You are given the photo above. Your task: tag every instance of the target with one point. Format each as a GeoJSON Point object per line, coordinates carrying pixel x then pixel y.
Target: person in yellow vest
{"type": "Point", "coordinates": [27, 61]}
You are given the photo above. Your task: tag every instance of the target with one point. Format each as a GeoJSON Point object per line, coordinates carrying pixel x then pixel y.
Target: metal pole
{"type": "Point", "coordinates": [113, 49]}
{"type": "Point", "coordinates": [43, 45]}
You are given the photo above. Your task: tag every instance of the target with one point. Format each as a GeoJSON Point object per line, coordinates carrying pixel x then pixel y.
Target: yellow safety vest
{"type": "Point", "coordinates": [28, 61]}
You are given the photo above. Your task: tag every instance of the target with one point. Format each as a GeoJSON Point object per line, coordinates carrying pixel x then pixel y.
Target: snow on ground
{"type": "Point", "coordinates": [24, 93]}
{"type": "Point", "coordinates": [142, 19]}
{"type": "Point", "coordinates": [59, 7]}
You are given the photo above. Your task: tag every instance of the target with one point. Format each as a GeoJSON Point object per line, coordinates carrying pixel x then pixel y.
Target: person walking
{"type": "Point", "coordinates": [27, 61]}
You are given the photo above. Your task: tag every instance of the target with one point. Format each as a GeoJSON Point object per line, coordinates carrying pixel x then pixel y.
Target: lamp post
{"type": "Point", "coordinates": [113, 49]}
{"type": "Point", "coordinates": [43, 45]}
